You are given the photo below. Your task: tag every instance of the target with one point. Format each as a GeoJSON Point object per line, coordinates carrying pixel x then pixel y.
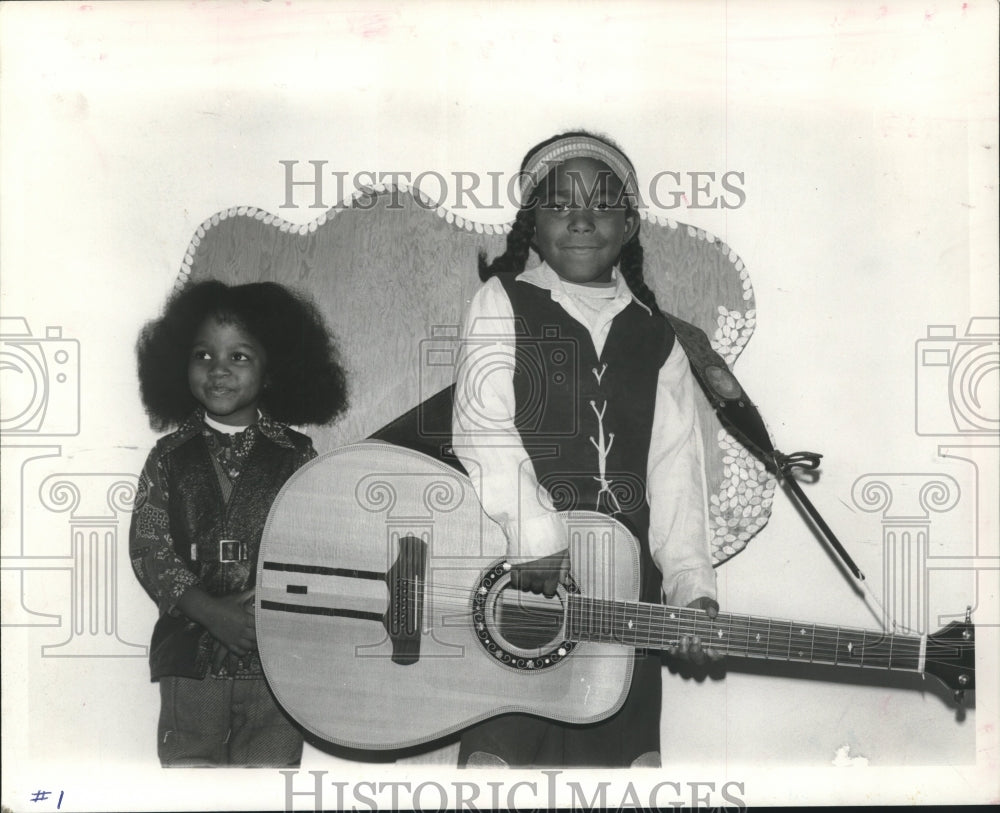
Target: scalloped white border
{"type": "Point", "coordinates": [746, 491]}
{"type": "Point", "coordinates": [304, 229]}
{"type": "Point", "coordinates": [741, 508]}
{"type": "Point", "coordinates": [450, 217]}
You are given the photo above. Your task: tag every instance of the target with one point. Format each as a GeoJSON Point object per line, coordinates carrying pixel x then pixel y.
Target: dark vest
{"type": "Point", "coordinates": [199, 517]}
{"type": "Point", "coordinates": [561, 388]}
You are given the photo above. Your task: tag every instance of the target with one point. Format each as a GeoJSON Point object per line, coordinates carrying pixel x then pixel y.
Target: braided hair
{"type": "Point", "coordinates": [522, 234]}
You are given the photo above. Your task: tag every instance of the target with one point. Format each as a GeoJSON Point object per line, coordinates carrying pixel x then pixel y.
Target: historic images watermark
{"type": "Point", "coordinates": [312, 185]}
{"type": "Point", "coordinates": [550, 791]}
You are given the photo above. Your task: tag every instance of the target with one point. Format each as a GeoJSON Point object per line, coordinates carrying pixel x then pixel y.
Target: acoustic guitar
{"type": "Point", "coordinates": [385, 616]}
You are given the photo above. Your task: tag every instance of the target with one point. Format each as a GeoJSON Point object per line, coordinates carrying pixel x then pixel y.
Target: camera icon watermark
{"type": "Point", "coordinates": [958, 379]}
{"type": "Point", "coordinates": [543, 371]}
{"type": "Point", "coordinates": [957, 394]}
{"type": "Point", "coordinates": [41, 381]}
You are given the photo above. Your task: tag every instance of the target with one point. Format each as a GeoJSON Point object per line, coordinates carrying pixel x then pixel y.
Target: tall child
{"type": "Point", "coordinates": [613, 430]}
{"type": "Point", "coordinates": [229, 367]}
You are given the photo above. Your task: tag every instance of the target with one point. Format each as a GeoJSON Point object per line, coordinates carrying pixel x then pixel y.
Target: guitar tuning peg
{"type": "Point", "coordinates": [959, 696]}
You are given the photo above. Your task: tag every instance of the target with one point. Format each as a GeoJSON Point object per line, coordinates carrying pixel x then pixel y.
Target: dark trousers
{"type": "Point", "coordinates": [224, 722]}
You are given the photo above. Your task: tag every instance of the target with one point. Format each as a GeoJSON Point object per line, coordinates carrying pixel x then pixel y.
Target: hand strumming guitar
{"type": "Point", "coordinates": [545, 574]}
{"type": "Point", "coordinates": [541, 575]}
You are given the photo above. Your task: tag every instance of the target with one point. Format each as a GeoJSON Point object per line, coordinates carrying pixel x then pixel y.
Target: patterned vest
{"type": "Point", "coordinates": [199, 518]}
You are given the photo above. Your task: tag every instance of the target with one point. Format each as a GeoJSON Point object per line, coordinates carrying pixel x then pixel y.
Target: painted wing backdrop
{"type": "Point", "coordinates": [393, 274]}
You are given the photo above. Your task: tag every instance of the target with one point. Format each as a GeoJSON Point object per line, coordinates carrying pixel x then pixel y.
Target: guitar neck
{"type": "Point", "coordinates": [655, 626]}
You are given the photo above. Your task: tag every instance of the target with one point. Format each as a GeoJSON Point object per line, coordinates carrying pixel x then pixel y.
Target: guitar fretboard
{"type": "Point", "coordinates": [654, 626]}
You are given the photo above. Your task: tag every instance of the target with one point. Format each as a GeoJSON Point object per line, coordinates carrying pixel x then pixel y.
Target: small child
{"type": "Point", "coordinates": [613, 430]}
{"type": "Point", "coordinates": [229, 367]}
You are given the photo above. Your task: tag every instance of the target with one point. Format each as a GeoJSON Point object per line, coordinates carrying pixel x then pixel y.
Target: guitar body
{"type": "Point", "coordinates": [383, 620]}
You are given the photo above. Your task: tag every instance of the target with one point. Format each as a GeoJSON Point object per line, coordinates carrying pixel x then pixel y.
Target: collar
{"type": "Point", "coordinates": [542, 276]}
{"type": "Point", "coordinates": [225, 428]}
{"type": "Point", "coordinates": [267, 426]}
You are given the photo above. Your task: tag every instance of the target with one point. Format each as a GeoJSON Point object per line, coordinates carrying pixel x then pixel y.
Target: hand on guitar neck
{"type": "Point", "coordinates": [542, 576]}
{"type": "Point", "coordinates": [403, 631]}
{"type": "Point", "coordinates": [689, 647]}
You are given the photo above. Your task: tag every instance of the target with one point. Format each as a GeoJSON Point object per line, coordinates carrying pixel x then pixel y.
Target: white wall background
{"type": "Point", "coordinates": [867, 133]}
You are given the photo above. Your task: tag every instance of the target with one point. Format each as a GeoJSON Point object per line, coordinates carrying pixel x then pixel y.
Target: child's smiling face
{"type": "Point", "coordinates": [226, 372]}
{"type": "Point", "coordinates": [581, 223]}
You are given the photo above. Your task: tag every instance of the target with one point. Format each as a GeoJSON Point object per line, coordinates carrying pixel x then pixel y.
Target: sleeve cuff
{"type": "Point", "coordinates": [536, 537]}
{"type": "Point", "coordinates": [688, 585]}
{"type": "Point", "coordinates": [182, 582]}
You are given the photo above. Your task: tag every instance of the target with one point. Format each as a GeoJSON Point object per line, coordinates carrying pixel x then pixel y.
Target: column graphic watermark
{"type": "Point", "coordinates": [95, 504]}
{"type": "Point", "coordinates": [956, 396]}
{"type": "Point", "coordinates": [906, 503]}
{"type": "Point", "coordinates": [39, 405]}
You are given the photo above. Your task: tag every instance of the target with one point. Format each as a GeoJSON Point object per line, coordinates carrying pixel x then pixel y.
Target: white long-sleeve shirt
{"type": "Point", "coordinates": [489, 445]}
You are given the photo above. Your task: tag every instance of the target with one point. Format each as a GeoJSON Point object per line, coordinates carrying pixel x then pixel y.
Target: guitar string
{"type": "Point", "coordinates": [818, 651]}
{"type": "Point", "coordinates": [876, 659]}
{"type": "Point", "coordinates": [688, 619]}
{"type": "Point", "coordinates": [687, 622]}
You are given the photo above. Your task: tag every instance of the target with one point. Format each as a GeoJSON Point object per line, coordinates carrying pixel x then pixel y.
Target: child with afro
{"type": "Point", "coordinates": [228, 368]}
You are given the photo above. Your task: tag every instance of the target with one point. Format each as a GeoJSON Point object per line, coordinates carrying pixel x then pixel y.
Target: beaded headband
{"type": "Point", "coordinates": [569, 147]}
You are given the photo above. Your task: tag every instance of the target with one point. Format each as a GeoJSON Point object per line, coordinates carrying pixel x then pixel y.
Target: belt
{"type": "Point", "coordinates": [227, 550]}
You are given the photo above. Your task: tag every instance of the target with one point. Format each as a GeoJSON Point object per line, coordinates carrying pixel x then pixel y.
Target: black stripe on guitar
{"type": "Point", "coordinates": [306, 609]}
{"type": "Point", "coordinates": [320, 570]}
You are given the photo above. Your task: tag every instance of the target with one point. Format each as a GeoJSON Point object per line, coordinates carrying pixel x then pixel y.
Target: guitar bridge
{"type": "Point", "coordinates": [405, 581]}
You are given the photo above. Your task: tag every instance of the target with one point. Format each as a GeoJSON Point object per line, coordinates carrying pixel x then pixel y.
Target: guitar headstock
{"type": "Point", "coordinates": [951, 656]}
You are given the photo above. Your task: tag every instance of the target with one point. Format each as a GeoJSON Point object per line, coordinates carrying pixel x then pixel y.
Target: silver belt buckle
{"type": "Point", "coordinates": [232, 550]}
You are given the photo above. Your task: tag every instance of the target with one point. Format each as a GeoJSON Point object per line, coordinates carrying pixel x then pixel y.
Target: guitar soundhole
{"type": "Point", "coordinates": [527, 621]}
{"type": "Point", "coordinates": [518, 629]}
